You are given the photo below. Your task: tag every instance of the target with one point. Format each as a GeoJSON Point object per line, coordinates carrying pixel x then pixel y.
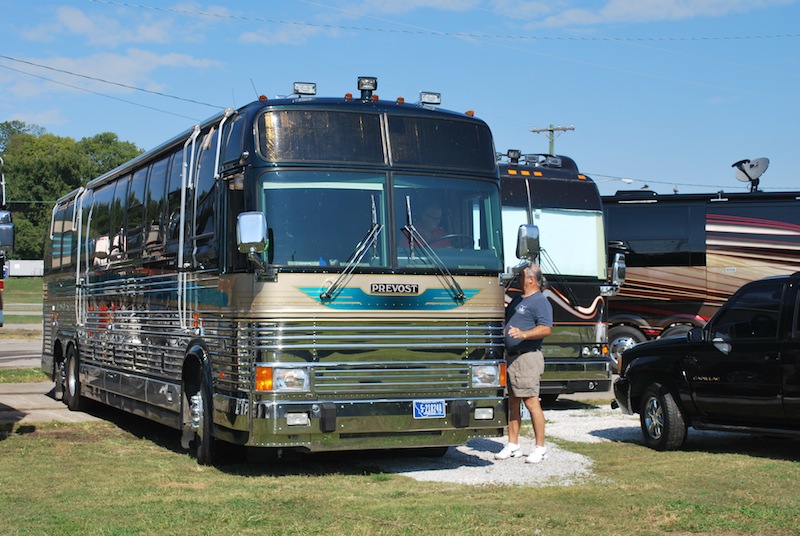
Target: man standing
{"type": "Point", "coordinates": [531, 320]}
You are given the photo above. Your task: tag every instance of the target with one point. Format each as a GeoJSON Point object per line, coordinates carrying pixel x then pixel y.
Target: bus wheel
{"type": "Point", "coordinates": [201, 415]}
{"type": "Point", "coordinates": [71, 380]}
{"type": "Point", "coordinates": [663, 425]}
{"type": "Point", "coordinates": [620, 338]}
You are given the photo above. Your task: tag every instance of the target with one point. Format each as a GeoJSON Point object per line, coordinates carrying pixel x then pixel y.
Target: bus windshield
{"type": "Point", "coordinates": [317, 218]}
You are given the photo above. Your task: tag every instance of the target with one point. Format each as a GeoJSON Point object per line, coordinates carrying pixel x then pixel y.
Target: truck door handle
{"type": "Point", "coordinates": [772, 356]}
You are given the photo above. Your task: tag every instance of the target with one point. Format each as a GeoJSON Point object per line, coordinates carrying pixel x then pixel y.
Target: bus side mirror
{"type": "Point", "coordinates": [618, 270]}
{"type": "Point", "coordinates": [528, 242]}
{"type": "Point", "coordinates": [251, 232]}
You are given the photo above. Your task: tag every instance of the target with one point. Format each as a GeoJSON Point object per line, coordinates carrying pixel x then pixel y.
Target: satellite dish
{"type": "Point", "coordinates": [751, 170]}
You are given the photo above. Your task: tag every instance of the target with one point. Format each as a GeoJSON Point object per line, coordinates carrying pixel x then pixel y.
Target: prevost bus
{"type": "Point", "coordinates": [549, 192]}
{"type": "Point", "coordinates": [259, 280]}
{"type": "Point", "coordinates": [6, 235]}
{"type": "Point", "coordinates": [687, 253]}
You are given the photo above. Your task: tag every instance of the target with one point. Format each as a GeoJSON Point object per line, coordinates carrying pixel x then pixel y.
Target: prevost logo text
{"type": "Point", "coordinates": [394, 288]}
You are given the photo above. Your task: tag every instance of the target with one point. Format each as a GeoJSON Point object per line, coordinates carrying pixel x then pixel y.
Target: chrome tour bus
{"type": "Point", "coordinates": [549, 192]}
{"type": "Point", "coordinates": [688, 253]}
{"type": "Point", "coordinates": [265, 279]}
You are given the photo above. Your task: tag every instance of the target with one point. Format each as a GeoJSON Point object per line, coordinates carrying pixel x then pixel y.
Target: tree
{"type": "Point", "coordinates": [42, 167]}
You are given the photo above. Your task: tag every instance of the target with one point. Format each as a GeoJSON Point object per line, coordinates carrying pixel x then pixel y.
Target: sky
{"type": "Point", "coordinates": [658, 94]}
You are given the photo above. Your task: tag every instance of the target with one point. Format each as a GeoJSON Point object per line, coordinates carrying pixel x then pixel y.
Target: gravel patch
{"type": "Point", "coordinates": [474, 463]}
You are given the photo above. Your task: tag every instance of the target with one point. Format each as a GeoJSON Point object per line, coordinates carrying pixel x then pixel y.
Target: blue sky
{"type": "Point", "coordinates": [669, 93]}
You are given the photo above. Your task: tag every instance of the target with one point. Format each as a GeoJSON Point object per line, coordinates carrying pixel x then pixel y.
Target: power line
{"type": "Point", "coordinates": [97, 93]}
{"type": "Point", "coordinates": [438, 33]}
{"type": "Point", "coordinates": [96, 79]}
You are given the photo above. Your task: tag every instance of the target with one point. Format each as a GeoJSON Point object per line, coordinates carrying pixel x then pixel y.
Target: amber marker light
{"type": "Point", "coordinates": [263, 378]}
{"type": "Point", "coordinates": [503, 374]}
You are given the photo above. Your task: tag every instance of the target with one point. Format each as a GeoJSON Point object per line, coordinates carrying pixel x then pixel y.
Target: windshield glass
{"type": "Point", "coordinates": [572, 241]}
{"type": "Point", "coordinates": [317, 219]}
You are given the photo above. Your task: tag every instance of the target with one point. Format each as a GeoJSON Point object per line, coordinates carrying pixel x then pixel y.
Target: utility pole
{"type": "Point", "coordinates": [551, 134]}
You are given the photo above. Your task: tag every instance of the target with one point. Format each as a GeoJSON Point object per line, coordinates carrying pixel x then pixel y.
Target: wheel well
{"type": "Point", "coordinates": [640, 384]}
{"type": "Point", "coordinates": [192, 370]}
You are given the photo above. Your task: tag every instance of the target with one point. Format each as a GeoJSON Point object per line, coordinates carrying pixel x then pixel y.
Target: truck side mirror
{"type": "Point", "coordinates": [695, 335]}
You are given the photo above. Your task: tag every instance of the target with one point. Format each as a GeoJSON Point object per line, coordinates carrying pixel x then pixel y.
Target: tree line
{"type": "Point", "coordinates": [41, 167]}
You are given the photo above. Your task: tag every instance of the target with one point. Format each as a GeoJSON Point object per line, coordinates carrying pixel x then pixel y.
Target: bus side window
{"type": "Point", "coordinates": [207, 250]}
{"type": "Point", "coordinates": [233, 136]}
{"type": "Point", "coordinates": [61, 244]}
{"type": "Point", "coordinates": [117, 232]}
{"type": "Point", "coordinates": [98, 241]}
{"type": "Point", "coordinates": [154, 231]}
{"type": "Point", "coordinates": [135, 212]}
{"type": "Point", "coordinates": [173, 204]}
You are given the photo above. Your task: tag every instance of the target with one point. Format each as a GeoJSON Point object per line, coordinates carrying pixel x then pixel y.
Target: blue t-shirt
{"type": "Point", "coordinates": [535, 310]}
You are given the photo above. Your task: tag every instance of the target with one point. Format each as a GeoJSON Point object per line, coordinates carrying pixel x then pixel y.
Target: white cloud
{"type": "Point", "coordinates": [625, 11]}
{"type": "Point", "coordinates": [134, 68]}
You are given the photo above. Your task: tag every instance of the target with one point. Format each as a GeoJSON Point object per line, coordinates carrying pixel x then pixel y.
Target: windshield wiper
{"type": "Point", "coordinates": [371, 239]}
{"type": "Point", "coordinates": [448, 281]}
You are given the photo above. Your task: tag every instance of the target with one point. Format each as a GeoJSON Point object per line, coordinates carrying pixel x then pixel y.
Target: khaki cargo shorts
{"type": "Point", "coordinates": [524, 373]}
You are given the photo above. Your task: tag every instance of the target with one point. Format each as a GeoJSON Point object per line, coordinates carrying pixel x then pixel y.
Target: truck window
{"type": "Point", "coordinates": [751, 314]}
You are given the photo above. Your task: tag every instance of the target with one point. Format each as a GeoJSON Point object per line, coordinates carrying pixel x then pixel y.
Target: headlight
{"type": "Point", "coordinates": [487, 376]}
{"type": "Point", "coordinates": [282, 379]}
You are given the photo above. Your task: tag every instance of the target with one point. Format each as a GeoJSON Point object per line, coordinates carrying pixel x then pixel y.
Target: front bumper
{"type": "Point", "coordinates": [622, 394]}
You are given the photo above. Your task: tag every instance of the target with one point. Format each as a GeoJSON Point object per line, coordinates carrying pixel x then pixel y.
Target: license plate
{"type": "Point", "coordinates": [429, 409]}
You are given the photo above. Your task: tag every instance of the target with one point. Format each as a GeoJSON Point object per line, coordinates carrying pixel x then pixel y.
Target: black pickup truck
{"type": "Point", "coordinates": [741, 372]}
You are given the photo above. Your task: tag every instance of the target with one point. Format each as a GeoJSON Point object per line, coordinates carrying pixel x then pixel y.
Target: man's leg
{"type": "Point", "coordinates": [514, 419]}
{"type": "Point", "coordinates": [534, 406]}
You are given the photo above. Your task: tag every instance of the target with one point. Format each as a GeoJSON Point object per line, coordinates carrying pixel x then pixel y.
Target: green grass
{"type": "Point", "coordinates": [17, 375]}
{"type": "Point", "coordinates": [23, 290]}
{"type": "Point", "coordinates": [127, 476]}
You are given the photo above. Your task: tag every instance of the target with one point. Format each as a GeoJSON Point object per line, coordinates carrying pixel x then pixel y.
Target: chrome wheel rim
{"type": "Point", "coordinates": [654, 418]}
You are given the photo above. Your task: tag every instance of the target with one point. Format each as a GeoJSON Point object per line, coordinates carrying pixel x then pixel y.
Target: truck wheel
{"type": "Point", "coordinates": [72, 383]}
{"type": "Point", "coordinates": [620, 338]}
{"type": "Point", "coordinates": [663, 425]}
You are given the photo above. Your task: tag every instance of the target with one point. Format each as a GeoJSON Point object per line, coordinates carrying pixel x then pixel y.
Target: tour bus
{"type": "Point", "coordinates": [6, 236]}
{"type": "Point", "coordinates": [549, 192]}
{"type": "Point", "coordinates": [687, 253]}
{"type": "Point", "coordinates": [262, 279]}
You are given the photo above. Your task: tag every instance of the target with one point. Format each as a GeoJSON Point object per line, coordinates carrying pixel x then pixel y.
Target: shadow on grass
{"type": "Point", "coordinates": [260, 461]}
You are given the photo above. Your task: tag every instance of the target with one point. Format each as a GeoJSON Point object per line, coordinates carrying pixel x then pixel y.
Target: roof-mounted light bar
{"type": "Point", "coordinates": [305, 88]}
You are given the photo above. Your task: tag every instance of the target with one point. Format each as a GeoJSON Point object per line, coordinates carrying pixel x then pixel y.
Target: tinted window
{"type": "Point", "coordinates": [234, 139]}
{"type": "Point", "coordinates": [206, 202]}
{"type": "Point", "coordinates": [174, 197]}
{"type": "Point", "coordinates": [658, 235]}
{"type": "Point", "coordinates": [752, 313]}
{"type": "Point", "coordinates": [320, 136]}
{"type": "Point", "coordinates": [98, 236]}
{"type": "Point", "coordinates": [434, 142]}
{"type": "Point", "coordinates": [154, 223]}
{"type": "Point", "coordinates": [135, 210]}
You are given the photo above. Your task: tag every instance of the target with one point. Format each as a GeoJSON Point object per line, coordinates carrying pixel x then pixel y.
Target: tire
{"type": "Point", "coordinates": [663, 424]}
{"type": "Point", "coordinates": [71, 382]}
{"type": "Point", "coordinates": [206, 445]}
{"type": "Point", "coordinates": [620, 338]}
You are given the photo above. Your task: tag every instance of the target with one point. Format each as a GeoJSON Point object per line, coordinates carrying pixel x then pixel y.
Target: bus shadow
{"type": "Point", "coordinates": [257, 461]}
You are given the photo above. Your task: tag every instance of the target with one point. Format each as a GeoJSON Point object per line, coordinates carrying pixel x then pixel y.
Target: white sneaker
{"type": "Point", "coordinates": [537, 455]}
{"type": "Point", "coordinates": [509, 451]}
